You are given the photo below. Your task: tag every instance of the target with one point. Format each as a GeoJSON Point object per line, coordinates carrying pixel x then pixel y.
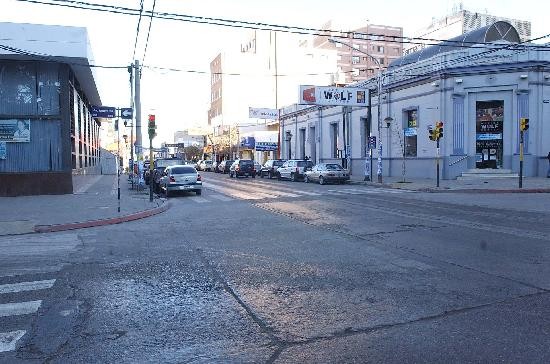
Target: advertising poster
{"type": "Point", "coordinates": [489, 127]}
{"type": "Point", "coordinates": [3, 150]}
{"type": "Point", "coordinates": [15, 130]}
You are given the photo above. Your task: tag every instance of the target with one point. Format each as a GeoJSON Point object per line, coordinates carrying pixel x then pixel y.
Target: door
{"type": "Point", "coordinates": [489, 134]}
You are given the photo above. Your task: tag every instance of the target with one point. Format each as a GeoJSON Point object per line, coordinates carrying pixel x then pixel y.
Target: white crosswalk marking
{"type": "Point", "coordinates": [26, 286]}
{"type": "Point", "coordinates": [9, 339]}
{"type": "Point", "coordinates": [19, 308]}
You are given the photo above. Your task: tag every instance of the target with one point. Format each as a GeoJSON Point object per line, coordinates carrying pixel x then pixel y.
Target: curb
{"type": "Point", "coordinates": [480, 190]}
{"type": "Point", "coordinates": [103, 222]}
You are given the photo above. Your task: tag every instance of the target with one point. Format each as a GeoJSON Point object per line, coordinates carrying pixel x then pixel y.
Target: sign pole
{"type": "Point", "coordinates": [437, 161]}
{"type": "Point", "coordinates": [118, 161]}
{"type": "Point", "coordinates": [521, 159]}
{"type": "Point", "coordinates": [151, 162]}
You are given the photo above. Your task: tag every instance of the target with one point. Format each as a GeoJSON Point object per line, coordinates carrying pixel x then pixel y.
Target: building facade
{"type": "Point", "coordinates": [382, 42]}
{"type": "Point", "coordinates": [479, 93]}
{"type": "Point", "coordinates": [47, 132]}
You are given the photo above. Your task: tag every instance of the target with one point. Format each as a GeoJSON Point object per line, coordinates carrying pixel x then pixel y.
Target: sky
{"type": "Point", "coordinates": [181, 99]}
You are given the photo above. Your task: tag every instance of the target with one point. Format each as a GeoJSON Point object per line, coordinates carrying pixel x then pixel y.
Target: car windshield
{"type": "Point", "coordinates": [247, 162]}
{"type": "Point", "coordinates": [334, 167]}
{"type": "Point", "coordinates": [183, 170]}
{"type": "Point", "coordinates": [278, 163]}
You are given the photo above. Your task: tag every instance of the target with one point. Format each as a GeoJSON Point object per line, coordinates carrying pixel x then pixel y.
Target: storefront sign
{"type": "Point", "coordinates": [333, 96]}
{"type": "Point", "coordinates": [410, 132]}
{"type": "Point", "coordinates": [257, 113]}
{"type": "Point", "coordinates": [248, 142]}
{"type": "Point", "coordinates": [3, 150]}
{"type": "Point", "coordinates": [15, 130]}
{"type": "Point", "coordinates": [266, 146]}
{"type": "Point", "coordinates": [489, 136]}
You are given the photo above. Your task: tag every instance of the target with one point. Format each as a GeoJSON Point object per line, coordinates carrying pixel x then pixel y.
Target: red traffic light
{"type": "Point", "coordinates": [151, 118]}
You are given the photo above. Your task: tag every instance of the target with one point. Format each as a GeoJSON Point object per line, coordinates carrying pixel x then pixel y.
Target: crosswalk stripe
{"type": "Point", "coordinates": [26, 286]}
{"type": "Point", "coordinates": [198, 199]}
{"type": "Point", "coordinates": [19, 308]}
{"type": "Point", "coordinates": [276, 192]}
{"type": "Point", "coordinates": [9, 339]}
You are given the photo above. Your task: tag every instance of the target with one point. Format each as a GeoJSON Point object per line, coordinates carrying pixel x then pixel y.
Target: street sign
{"type": "Point", "coordinates": [372, 142]}
{"type": "Point", "coordinates": [107, 112]}
{"type": "Point", "coordinates": [175, 145]}
{"type": "Point", "coordinates": [126, 113]}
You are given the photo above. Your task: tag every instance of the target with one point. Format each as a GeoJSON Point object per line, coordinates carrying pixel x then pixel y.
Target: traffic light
{"type": "Point", "coordinates": [439, 128]}
{"type": "Point", "coordinates": [524, 124]}
{"type": "Point", "coordinates": [152, 126]}
{"type": "Point", "coordinates": [432, 132]}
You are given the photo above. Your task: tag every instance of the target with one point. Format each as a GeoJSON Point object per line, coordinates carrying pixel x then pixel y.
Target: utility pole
{"type": "Point", "coordinates": [117, 127]}
{"type": "Point", "coordinates": [523, 126]}
{"type": "Point", "coordinates": [137, 96]}
{"type": "Point", "coordinates": [151, 129]}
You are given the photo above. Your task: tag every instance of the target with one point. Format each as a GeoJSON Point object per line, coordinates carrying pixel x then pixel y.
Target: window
{"type": "Point", "coordinates": [381, 61]}
{"type": "Point", "coordinates": [355, 59]}
{"type": "Point", "coordinates": [380, 49]}
{"type": "Point", "coordinates": [334, 140]}
{"type": "Point", "coordinates": [410, 133]}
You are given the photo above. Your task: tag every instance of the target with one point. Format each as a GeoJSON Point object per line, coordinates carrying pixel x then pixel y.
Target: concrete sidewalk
{"type": "Point", "coordinates": [481, 185]}
{"type": "Point", "coordinates": [93, 203]}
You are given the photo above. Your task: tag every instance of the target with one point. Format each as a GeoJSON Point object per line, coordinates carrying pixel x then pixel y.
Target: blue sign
{"type": "Point", "coordinates": [126, 113]}
{"type": "Point", "coordinates": [410, 132]}
{"type": "Point", "coordinates": [266, 146]}
{"type": "Point", "coordinates": [488, 136]}
{"type": "Point", "coordinates": [248, 142]}
{"type": "Point", "coordinates": [372, 142]}
{"type": "Point", "coordinates": [103, 112]}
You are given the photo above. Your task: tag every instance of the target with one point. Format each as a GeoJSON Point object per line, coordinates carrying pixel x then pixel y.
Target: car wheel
{"type": "Point", "coordinates": [261, 175]}
{"type": "Point", "coordinates": [198, 192]}
{"type": "Point", "coordinates": [270, 175]}
{"type": "Point", "coordinates": [306, 179]}
{"type": "Point", "coordinates": [293, 177]}
{"type": "Point", "coordinates": [321, 180]}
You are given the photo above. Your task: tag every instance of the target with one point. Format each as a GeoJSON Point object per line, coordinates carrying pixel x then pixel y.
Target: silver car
{"type": "Point", "coordinates": [327, 172]}
{"type": "Point", "coordinates": [181, 178]}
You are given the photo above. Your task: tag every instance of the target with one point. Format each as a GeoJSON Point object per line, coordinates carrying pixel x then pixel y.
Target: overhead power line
{"type": "Point", "coordinates": [252, 25]}
{"type": "Point", "coordinates": [148, 32]}
{"type": "Point", "coordinates": [137, 30]}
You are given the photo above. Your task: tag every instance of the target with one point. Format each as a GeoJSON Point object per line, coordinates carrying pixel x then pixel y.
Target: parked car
{"type": "Point", "coordinates": [224, 166]}
{"type": "Point", "coordinates": [294, 169]}
{"type": "Point", "coordinates": [197, 164]}
{"type": "Point", "coordinates": [214, 167]}
{"type": "Point", "coordinates": [205, 165]}
{"type": "Point", "coordinates": [327, 172]}
{"type": "Point", "coordinates": [242, 167]}
{"type": "Point", "coordinates": [181, 178]}
{"type": "Point", "coordinates": [257, 167]}
{"type": "Point", "coordinates": [270, 167]}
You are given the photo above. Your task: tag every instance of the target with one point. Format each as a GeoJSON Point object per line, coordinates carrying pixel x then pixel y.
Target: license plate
{"type": "Point", "coordinates": [184, 187]}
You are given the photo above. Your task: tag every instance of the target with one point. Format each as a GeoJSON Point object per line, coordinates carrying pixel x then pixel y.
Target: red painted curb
{"type": "Point", "coordinates": [102, 222]}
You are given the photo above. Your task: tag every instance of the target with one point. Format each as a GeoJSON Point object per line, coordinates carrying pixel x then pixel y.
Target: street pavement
{"type": "Point", "coordinates": [258, 270]}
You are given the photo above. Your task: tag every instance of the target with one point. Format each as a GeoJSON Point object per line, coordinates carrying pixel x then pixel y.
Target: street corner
{"type": "Point", "coordinates": [103, 222]}
{"type": "Point", "coordinates": [16, 227]}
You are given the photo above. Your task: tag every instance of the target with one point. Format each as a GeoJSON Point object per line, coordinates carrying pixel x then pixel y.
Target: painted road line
{"type": "Point", "coordinates": [26, 286]}
{"type": "Point", "coordinates": [19, 308]}
{"type": "Point", "coordinates": [249, 187]}
{"type": "Point", "coordinates": [198, 199]}
{"type": "Point", "coordinates": [8, 340]}
{"type": "Point", "coordinates": [242, 191]}
{"type": "Point", "coordinates": [221, 197]}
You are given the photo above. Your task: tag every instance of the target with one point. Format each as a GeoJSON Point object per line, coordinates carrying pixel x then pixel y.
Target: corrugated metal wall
{"type": "Point", "coordinates": [41, 154]}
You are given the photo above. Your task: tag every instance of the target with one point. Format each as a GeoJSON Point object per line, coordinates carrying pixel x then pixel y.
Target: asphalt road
{"type": "Point", "coordinates": [275, 271]}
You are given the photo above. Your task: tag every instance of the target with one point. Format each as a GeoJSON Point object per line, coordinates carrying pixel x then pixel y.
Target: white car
{"type": "Point", "coordinates": [181, 178]}
{"type": "Point", "coordinates": [294, 169]}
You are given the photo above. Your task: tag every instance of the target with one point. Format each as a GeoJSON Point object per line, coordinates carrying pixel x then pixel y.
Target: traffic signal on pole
{"type": "Point", "coordinates": [432, 132]}
{"type": "Point", "coordinates": [152, 125]}
{"type": "Point", "coordinates": [439, 127]}
{"type": "Point", "coordinates": [524, 124]}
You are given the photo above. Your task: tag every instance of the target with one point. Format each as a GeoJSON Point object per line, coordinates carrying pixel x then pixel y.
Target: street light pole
{"type": "Point", "coordinates": [379, 91]}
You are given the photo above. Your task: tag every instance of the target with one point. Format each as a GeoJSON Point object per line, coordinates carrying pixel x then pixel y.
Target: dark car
{"type": "Point", "coordinates": [224, 166]}
{"type": "Point", "coordinates": [242, 167]}
{"type": "Point", "coordinates": [270, 167]}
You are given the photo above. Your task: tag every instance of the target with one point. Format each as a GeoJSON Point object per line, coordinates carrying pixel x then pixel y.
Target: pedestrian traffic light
{"type": "Point", "coordinates": [524, 124]}
{"type": "Point", "coordinates": [439, 127]}
{"type": "Point", "coordinates": [432, 132]}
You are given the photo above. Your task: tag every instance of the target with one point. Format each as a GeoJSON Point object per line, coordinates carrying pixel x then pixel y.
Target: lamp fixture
{"type": "Point", "coordinates": [523, 77]}
{"type": "Point", "coordinates": [458, 80]}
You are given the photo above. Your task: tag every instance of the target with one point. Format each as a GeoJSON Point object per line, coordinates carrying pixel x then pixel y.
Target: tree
{"type": "Point", "coordinates": [192, 152]}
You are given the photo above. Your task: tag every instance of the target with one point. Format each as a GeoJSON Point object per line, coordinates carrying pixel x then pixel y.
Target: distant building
{"type": "Point", "coordinates": [382, 42]}
{"type": "Point", "coordinates": [189, 137]}
{"type": "Point", "coordinates": [46, 88]}
{"type": "Point", "coordinates": [460, 22]}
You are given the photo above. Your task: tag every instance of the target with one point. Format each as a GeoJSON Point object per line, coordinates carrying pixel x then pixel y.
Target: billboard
{"type": "Point", "coordinates": [15, 130]}
{"type": "Point", "coordinates": [333, 96]}
{"type": "Point", "coordinates": [262, 113]}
